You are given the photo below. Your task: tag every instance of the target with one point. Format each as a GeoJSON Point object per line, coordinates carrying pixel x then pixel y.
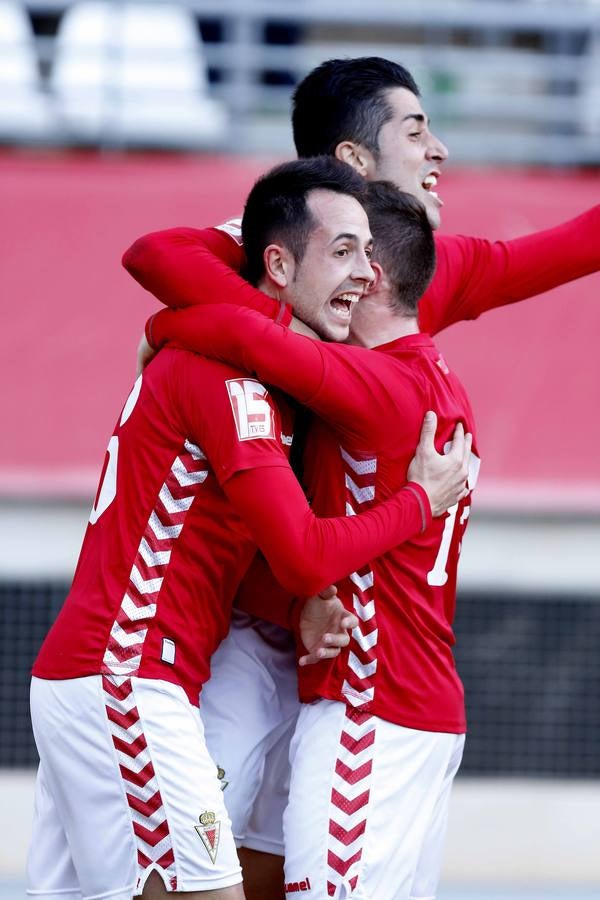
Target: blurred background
{"type": "Point", "coordinates": [119, 118]}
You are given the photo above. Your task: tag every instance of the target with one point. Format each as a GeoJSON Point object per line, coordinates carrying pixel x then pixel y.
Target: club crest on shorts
{"type": "Point", "coordinates": [209, 831]}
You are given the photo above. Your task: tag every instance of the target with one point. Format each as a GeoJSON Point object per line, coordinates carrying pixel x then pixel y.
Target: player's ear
{"type": "Point", "coordinates": [376, 283]}
{"type": "Point", "coordinates": [278, 264]}
{"type": "Point", "coordinates": [357, 156]}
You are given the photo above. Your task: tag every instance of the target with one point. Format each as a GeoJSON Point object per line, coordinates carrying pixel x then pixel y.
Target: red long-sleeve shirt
{"type": "Point", "coordinates": [371, 404]}
{"type": "Point", "coordinates": [196, 477]}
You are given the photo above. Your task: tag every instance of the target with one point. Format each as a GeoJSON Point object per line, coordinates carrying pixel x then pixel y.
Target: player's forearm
{"type": "Point", "coordinates": [543, 260]}
{"type": "Point", "coordinates": [475, 275]}
{"type": "Point", "coordinates": [347, 385]}
{"type": "Point", "coordinates": [324, 550]}
{"type": "Point", "coordinates": [244, 339]}
{"type": "Point", "coordinates": [306, 553]}
{"type": "Point", "coordinates": [187, 267]}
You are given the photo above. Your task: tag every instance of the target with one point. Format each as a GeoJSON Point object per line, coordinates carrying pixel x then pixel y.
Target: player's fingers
{"type": "Point", "coordinates": [428, 428]}
{"type": "Point", "coordinates": [328, 592]}
{"type": "Point", "coordinates": [318, 655]}
{"type": "Point", "coordinates": [467, 448]}
{"type": "Point", "coordinates": [337, 639]}
{"type": "Point", "coordinates": [349, 621]}
{"type": "Point", "coordinates": [458, 440]}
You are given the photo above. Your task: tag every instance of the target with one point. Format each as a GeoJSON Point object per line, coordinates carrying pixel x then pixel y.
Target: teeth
{"type": "Point", "coordinates": [429, 181]}
{"type": "Point", "coordinates": [349, 298]}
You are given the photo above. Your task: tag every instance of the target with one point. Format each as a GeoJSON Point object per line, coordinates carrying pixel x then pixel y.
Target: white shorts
{"type": "Point", "coordinates": [125, 786]}
{"type": "Point", "coordinates": [249, 709]}
{"type": "Point", "coordinates": [368, 806]}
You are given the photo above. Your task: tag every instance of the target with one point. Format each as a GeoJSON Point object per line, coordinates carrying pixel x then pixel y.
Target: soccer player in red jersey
{"type": "Point", "coordinates": [368, 113]}
{"type": "Point", "coordinates": [381, 733]}
{"type": "Point", "coordinates": [196, 476]}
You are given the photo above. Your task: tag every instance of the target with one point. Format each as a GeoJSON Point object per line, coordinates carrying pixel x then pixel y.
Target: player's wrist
{"type": "Point", "coordinates": [422, 498]}
{"type": "Point", "coordinates": [149, 330]}
{"type": "Point", "coordinates": [158, 327]}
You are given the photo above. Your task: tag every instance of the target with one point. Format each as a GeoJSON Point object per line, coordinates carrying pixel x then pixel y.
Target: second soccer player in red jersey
{"type": "Point", "coordinates": [393, 701]}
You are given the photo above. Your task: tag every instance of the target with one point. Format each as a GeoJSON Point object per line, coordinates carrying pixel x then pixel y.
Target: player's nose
{"type": "Point", "coordinates": [362, 270]}
{"type": "Point", "coordinates": [436, 150]}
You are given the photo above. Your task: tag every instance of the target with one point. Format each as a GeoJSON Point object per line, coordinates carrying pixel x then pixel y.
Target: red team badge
{"type": "Point", "coordinates": [254, 417]}
{"type": "Point", "coordinates": [209, 831]}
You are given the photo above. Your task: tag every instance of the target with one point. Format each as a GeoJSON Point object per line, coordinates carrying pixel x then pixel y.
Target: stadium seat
{"type": "Point", "coordinates": [134, 74]}
{"type": "Point", "coordinates": [25, 111]}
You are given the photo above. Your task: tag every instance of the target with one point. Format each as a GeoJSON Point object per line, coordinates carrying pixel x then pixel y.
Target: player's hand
{"type": "Point", "coordinates": [300, 328]}
{"type": "Point", "coordinates": [442, 476]}
{"type": "Point", "coordinates": [144, 354]}
{"type": "Point", "coordinates": [324, 626]}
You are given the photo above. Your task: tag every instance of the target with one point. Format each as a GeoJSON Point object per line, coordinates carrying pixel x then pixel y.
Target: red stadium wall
{"type": "Point", "coordinates": [72, 318]}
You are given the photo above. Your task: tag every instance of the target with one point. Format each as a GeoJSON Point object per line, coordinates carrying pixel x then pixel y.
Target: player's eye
{"type": "Point", "coordinates": [341, 251]}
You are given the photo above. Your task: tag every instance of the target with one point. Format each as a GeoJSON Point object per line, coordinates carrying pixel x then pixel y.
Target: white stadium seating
{"type": "Point", "coordinates": [25, 111]}
{"type": "Point", "coordinates": [134, 73]}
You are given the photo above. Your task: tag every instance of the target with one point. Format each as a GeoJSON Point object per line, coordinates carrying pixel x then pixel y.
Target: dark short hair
{"type": "Point", "coordinates": [402, 242]}
{"type": "Point", "coordinates": [346, 100]}
{"type": "Point", "coordinates": [276, 208]}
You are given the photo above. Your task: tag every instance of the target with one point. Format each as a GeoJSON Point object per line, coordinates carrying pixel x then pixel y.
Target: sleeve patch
{"type": "Point", "coordinates": [253, 415]}
{"type": "Point", "coordinates": [233, 227]}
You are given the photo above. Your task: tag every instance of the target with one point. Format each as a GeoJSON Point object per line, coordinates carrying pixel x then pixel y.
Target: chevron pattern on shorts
{"type": "Point", "coordinates": [123, 655]}
{"type": "Point", "coordinates": [351, 782]}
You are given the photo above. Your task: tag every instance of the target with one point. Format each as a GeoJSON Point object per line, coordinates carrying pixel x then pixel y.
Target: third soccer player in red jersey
{"type": "Point", "coordinates": [393, 701]}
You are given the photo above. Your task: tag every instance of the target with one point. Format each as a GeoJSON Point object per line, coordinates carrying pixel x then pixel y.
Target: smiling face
{"type": "Point", "coordinates": [335, 270]}
{"type": "Point", "coordinates": [409, 154]}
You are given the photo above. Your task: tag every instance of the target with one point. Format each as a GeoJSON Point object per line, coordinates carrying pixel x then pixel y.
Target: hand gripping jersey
{"type": "Point", "coordinates": [196, 476]}
{"type": "Point", "coordinates": [399, 665]}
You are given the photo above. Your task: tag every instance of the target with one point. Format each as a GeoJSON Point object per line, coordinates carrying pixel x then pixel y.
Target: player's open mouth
{"type": "Point", "coordinates": [342, 305]}
{"type": "Point", "coordinates": [428, 183]}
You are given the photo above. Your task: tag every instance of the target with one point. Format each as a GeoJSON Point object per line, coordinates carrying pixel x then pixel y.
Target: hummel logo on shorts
{"type": "Point", "coordinates": [294, 887]}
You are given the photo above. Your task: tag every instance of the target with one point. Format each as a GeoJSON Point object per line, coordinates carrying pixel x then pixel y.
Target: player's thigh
{"type": "Point", "coordinates": [429, 864]}
{"type": "Point", "coordinates": [361, 795]}
{"type": "Point", "coordinates": [251, 694]}
{"type": "Point", "coordinates": [263, 875]}
{"type": "Point", "coordinates": [409, 771]}
{"type": "Point", "coordinates": [181, 824]}
{"type": "Point", "coordinates": [265, 828]}
{"type": "Point", "coordinates": [261, 855]}
{"type": "Point", "coordinates": [50, 870]}
{"type": "Point", "coordinates": [313, 754]}
{"type": "Point", "coordinates": [81, 787]}
{"type": "Point", "coordinates": [131, 776]}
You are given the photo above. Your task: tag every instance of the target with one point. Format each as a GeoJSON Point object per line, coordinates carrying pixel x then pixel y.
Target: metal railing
{"type": "Point", "coordinates": [503, 81]}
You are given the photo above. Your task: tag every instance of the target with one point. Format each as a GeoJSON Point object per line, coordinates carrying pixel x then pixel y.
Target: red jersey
{"type": "Point", "coordinates": [399, 664]}
{"type": "Point", "coordinates": [196, 476]}
{"type": "Point", "coordinates": [188, 266]}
